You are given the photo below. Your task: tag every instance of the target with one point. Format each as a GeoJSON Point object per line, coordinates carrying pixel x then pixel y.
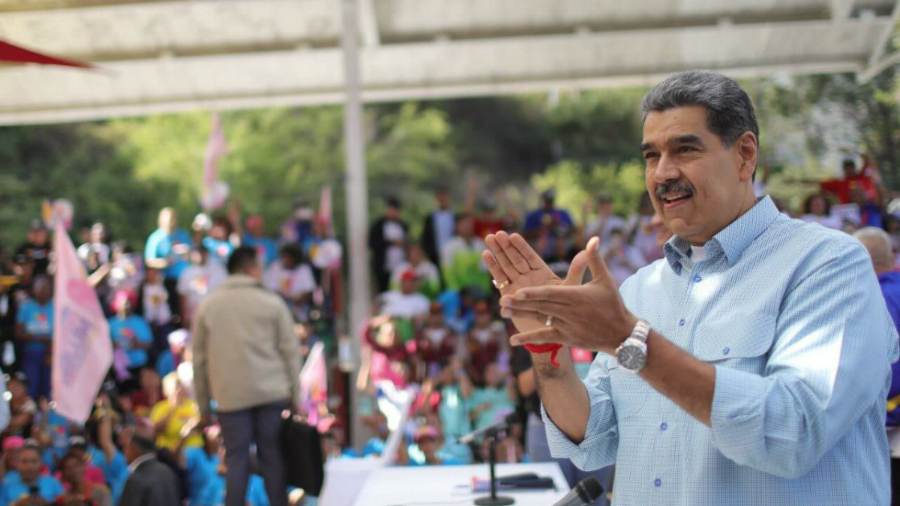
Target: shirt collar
{"type": "Point", "coordinates": [731, 240]}
{"type": "Point", "coordinates": [138, 461]}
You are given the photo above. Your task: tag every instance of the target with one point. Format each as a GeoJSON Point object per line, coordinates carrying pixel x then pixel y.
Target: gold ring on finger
{"type": "Point", "coordinates": [501, 285]}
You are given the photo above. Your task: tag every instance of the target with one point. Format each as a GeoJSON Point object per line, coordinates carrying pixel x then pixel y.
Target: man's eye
{"type": "Point", "coordinates": [685, 149]}
{"type": "Point", "coordinates": [650, 155]}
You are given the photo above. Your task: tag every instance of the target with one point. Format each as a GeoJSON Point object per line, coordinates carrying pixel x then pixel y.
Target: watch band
{"type": "Point", "coordinates": [641, 331]}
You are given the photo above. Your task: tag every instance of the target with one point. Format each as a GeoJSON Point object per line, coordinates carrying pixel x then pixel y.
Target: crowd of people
{"type": "Point", "coordinates": [148, 404]}
{"type": "Point", "coordinates": [436, 332]}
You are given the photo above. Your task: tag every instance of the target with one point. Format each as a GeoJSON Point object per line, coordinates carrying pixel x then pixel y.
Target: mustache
{"type": "Point", "coordinates": [675, 186]}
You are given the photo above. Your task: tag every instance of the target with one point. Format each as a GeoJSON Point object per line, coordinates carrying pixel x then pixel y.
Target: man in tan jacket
{"type": "Point", "coordinates": [247, 361]}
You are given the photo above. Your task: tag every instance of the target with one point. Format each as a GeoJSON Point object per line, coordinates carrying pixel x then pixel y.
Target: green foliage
{"type": "Point", "coordinates": [576, 187]}
{"type": "Point", "coordinates": [579, 143]}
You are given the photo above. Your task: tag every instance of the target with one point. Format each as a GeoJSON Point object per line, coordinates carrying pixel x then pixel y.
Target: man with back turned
{"type": "Point", "coordinates": [247, 359]}
{"type": "Point", "coordinates": [749, 366]}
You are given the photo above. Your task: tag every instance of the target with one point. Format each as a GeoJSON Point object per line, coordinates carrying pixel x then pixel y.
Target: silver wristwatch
{"type": "Point", "coordinates": [632, 354]}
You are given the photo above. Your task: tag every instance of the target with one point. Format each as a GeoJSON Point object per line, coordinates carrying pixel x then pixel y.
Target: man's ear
{"type": "Point", "coordinates": [748, 151]}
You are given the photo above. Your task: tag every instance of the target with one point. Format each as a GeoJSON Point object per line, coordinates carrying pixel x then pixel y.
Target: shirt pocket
{"type": "Point", "coordinates": [739, 342]}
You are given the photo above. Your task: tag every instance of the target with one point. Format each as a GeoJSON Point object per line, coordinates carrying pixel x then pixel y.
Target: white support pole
{"type": "Point", "coordinates": [359, 293]}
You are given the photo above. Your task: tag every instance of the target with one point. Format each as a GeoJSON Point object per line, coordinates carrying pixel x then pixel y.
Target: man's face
{"type": "Point", "coordinates": [443, 199]}
{"type": "Point", "coordinates": [73, 471]}
{"type": "Point", "coordinates": [465, 227]}
{"type": "Point", "coordinates": [409, 286]}
{"type": "Point", "coordinates": [168, 219]}
{"type": "Point", "coordinates": [697, 185]}
{"type": "Point", "coordinates": [40, 237]}
{"type": "Point", "coordinates": [849, 170]}
{"type": "Point", "coordinates": [42, 291]}
{"type": "Point", "coordinates": [149, 380]}
{"type": "Point", "coordinates": [29, 464]}
{"type": "Point", "coordinates": [392, 213]}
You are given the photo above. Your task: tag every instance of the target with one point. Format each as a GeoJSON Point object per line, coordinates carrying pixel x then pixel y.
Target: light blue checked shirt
{"type": "Point", "coordinates": [792, 317]}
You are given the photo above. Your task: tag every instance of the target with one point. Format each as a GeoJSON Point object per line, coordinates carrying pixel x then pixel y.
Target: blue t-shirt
{"type": "Point", "coordinates": [48, 488]}
{"type": "Point", "coordinates": [558, 220]}
{"type": "Point", "coordinates": [124, 330]}
{"type": "Point", "coordinates": [115, 470]}
{"type": "Point", "coordinates": [374, 446]}
{"type": "Point", "coordinates": [201, 469]}
{"type": "Point", "coordinates": [890, 289]}
{"type": "Point", "coordinates": [266, 248]}
{"type": "Point", "coordinates": [213, 493]}
{"type": "Point", "coordinates": [38, 321]}
{"type": "Point", "coordinates": [160, 246]}
{"type": "Point", "coordinates": [58, 427]}
{"type": "Point", "coordinates": [165, 363]}
{"type": "Point", "coordinates": [219, 251]}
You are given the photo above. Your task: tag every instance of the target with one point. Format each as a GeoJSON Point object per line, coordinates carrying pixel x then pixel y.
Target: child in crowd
{"type": "Point", "coordinates": [156, 309]}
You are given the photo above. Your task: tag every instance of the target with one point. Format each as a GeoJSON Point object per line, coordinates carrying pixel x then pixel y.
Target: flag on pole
{"type": "Point", "coordinates": [314, 376]}
{"type": "Point", "coordinates": [325, 205]}
{"type": "Point", "coordinates": [82, 349]}
{"type": "Point", "coordinates": [215, 192]}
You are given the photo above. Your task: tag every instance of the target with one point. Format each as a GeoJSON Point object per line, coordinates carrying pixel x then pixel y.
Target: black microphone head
{"type": "Point", "coordinates": [589, 489]}
{"type": "Point", "coordinates": [511, 419]}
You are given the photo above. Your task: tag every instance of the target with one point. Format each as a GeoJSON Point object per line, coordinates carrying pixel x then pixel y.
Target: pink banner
{"type": "Point", "coordinates": [82, 350]}
{"type": "Point", "coordinates": [214, 191]}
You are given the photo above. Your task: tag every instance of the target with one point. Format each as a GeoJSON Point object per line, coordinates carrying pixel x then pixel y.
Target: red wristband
{"type": "Point", "coordinates": [552, 348]}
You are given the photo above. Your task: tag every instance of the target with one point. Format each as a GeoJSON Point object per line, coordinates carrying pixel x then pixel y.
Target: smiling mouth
{"type": "Point", "coordinates": [674, 199]}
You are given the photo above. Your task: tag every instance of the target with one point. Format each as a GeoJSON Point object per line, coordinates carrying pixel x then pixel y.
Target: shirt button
{"type": "Point", "coordinates": [657, 483]}
{"type": "Point", "coordinates": [697, 278]}
{"type": "Point", "coordinates": [681, 322]}
{"type": "Point", "coordinates": [663, 426]}
{"type": "Point", "coordinates": [726, 351]}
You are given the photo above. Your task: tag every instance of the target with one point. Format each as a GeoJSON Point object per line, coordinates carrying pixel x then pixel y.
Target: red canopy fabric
{"type": "Point", "coordinates": [13, 53]}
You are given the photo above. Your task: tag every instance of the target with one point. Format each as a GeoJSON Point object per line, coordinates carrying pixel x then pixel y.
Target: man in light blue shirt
{"type": "Point", "coordinates": [763, 374]}
{"type": "Point", "coordinates": [168, 247]}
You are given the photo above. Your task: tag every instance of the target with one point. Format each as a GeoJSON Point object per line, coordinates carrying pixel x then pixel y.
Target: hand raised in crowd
{"type": "Point", "coordinates": [591, 316]}
{"type": "Point", "coordinates": [514, 265]}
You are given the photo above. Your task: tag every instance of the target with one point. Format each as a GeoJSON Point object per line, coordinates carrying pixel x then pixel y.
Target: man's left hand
{"type": "Point", "coordinates": [591, 316]}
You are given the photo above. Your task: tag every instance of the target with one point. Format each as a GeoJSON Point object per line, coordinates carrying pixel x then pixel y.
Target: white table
{"type": "Point", "coordinates": [446, 485]}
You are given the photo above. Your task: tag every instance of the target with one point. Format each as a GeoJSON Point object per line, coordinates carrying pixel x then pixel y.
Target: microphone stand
{"type": "Point", "coordinates": [493, 499]}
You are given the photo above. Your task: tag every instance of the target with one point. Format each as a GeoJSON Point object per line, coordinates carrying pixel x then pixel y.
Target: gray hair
{"type": "Point", "coordinates": [879, 245]}
{"type": "Point", "coordinates": [730, 111]}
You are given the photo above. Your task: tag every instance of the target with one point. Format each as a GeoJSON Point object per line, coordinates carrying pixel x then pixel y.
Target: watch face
{"type": "Point", "coordinates": [632, 357]}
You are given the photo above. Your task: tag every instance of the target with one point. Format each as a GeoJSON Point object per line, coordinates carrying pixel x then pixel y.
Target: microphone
{"type": "Point", "coordinates": [507, 421]}
{"type": "Point", "coordinates": [586, 492]}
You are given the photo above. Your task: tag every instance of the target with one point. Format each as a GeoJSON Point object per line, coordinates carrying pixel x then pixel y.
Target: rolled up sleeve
{"type": "Point", "coordinates": [601, 435]}
{"type": "Point", "coordinates": [828, 367]}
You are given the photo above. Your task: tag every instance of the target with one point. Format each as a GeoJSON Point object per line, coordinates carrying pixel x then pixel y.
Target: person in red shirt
{"type": "Point", "coordinates": [843, 188]}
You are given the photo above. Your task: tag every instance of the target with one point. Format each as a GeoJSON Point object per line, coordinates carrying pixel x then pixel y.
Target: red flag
{"type": "Point", "coordinates": [82, 349]}
{"type": "Point", "coordinates": [13, 53]}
